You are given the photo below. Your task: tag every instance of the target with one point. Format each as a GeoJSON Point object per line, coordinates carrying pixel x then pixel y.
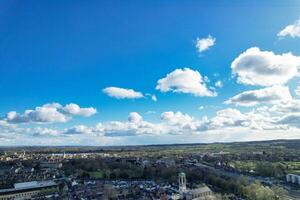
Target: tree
{"type": "Point", "coordinates": [279, 192]}
{"type": "Point", "coordinates": [109, 192]}
{"type": "Point", "coordinates": [256, 191]}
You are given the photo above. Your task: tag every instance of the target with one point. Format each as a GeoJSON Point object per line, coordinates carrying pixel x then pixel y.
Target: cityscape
{"type": "Point", "coordinates": [150, 100]}
{"type": "Point", "coordinates": [189, 171]}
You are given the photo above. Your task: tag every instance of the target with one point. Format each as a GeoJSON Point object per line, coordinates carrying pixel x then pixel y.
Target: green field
{"type": "Point", "coordinates": [96, 174]}
{"type": "Point", "coordinates": [293, 167]}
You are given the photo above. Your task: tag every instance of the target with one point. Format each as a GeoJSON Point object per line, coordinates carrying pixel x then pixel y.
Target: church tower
{"type": "Point", "coordinates": [182, 182]}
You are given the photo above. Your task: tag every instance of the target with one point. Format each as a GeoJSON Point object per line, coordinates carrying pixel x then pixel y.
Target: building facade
{"type": "Point", "coordinates": [28, 190]}
{"type": "Point", "coordinates": [202, 193]}
{"type": "Point", "coordinates": [293, 178]}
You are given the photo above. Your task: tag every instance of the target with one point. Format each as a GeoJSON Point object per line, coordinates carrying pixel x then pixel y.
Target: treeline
{"type": "Point", "coordinates": [262, 168]}
{"type": "Point", "coordinates": [112, 170]}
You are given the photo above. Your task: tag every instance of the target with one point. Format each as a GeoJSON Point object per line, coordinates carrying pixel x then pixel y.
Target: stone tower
{"type": "Point", "coordinates": [182, 182]}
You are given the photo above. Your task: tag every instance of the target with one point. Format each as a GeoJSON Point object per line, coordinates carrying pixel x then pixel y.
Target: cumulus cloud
{"type": "Point", "coordinates": [135, 117]}
{"type": "Point", "coordinates": [257, 119]}
{"type": "Point", "coordinates": [4, 124]}
{"type": "Point", "coordinates": [264, 68]}
{"type": "Point", "coordinates": [203, 44]}
{"type": "Point", "coordinates": [184, 81]}
{"type": "Point", "coordinates": [79, 129]}
{"type": "Point", "coordinates": [290, 120]}
{"type": "Point", "coordinates": [48, 113]}
{"type": "Point", "coordinates": [135, 126]}
{"type": "Point", "coordinates": [172, 123]}
{"type": "Point", "coordinates": [290, 111]}
{"type": "Point", "coordinates": [287, 107]}
{"type": "Point", "coordinates": [40, 114]}
{"type": "Point", "coordinates": [272, 94]}
{"type": "Point", "coordinates": [178, 123]}
{"type": "Point", "coordinates": [122, 93]}
{"type": "Point", "coordinates": [177, 118]}
{"type": "Point", "coordinates": [227, 117]}
{"type": "Point", "coordinates": [46, 132]}
{"type": "Point", "coordinates": [229, 121]}
{"type": "Point", "coordinates": [74, 109]}
{"type": "Point", "coordinates": [292, 30]}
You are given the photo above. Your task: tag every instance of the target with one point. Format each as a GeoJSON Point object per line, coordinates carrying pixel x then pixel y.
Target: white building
{"type": "Point", "coordinates": [182, 182]}
{"type": "Point", "coordinates": [28, 190]}
{"type": "Point", "coordinates": [202, 193]}
{"type": "Point", "coordinates": [293, 178]}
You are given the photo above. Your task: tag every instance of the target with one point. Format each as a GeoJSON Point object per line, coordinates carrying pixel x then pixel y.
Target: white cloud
{"type": "Point", "coordinates": [40, 114]}
{"type": "Point", "coordinates": [154, 98]}
{"type": "Point", "coordinates": [79, 129]}
{"type": "Point", "coordinates": [227, 117]}
{"type": "Point", "coordinates": [179, 119]}
{"type": "Point", "coordinates": [297, 91]}
{"type": "Point", "coordinates": [287, 107]}
{"type": "Point", "coordinates": [204, 44]}
{"type": "Point", "coordinates": [172, 123]}
{"type": "Point", "coordinates": [292, 30]}
{"type": "Point", "coordinates": [201, 107]}
{"type": "Point", "coordinates": [74, 109]}
{"type": "Point", "coordinates": [219, 84]}
{"type": "Point", "coordinates": [135, 117]}
{"type": "Point", "coordinates": [4, 124]}
{"type": "Point", "coordinates": [264, 68]}
{"type": "Point", "coordinates": [272, 94]}
{"type": "Point", "coordinates": [122, 93]}
{"type": "Point", "coordinates": [178, 123]}
{"type": "Point", "coordinates": [48, 113]}
{"type": "Point", "coordinates": [227, 125]}
{"type": "Point", "coordinates": [290, 120]}
{"type": "Point", "coordinates": [184, 81]}
{"type": "Point", "coordinates": [150, 112]}
{"type": "Point", "coordinates": [257, 119]}
{"type": "Point", "coordinates": [135, 126]}
{"type": "Point", "coordinates": [46, 132]}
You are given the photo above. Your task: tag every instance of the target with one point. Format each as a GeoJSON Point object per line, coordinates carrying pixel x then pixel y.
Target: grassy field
{"type": "Point", "coordinates": [96, 174]}
{"type": "Point", "coordinates": [293, 167]}
{"type": "Point", "coordinates": [243, 165]}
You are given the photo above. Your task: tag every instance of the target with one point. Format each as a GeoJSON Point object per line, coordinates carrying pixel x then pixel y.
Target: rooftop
{"type": "Point", "coordinates": [26, 186]}
{"type": "Point", "coordinates": [199, 190]}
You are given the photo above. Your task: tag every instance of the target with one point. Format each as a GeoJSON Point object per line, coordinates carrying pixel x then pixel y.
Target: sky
{"type": "Point", "coordinates": [148, 72]}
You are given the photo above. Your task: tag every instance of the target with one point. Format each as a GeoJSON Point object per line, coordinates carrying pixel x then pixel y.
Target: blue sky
{"type": "Point", "coordinates": [69, 51]}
